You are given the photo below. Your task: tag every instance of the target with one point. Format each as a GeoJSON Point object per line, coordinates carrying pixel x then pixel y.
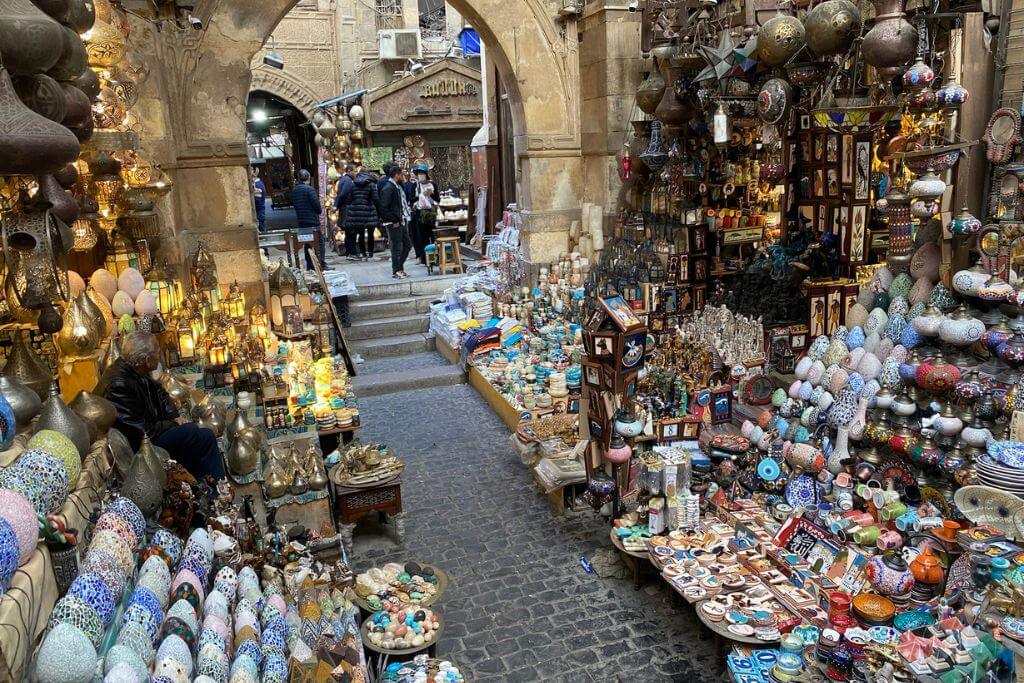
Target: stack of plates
{"type": "Point", "coordinates": [999, 476]}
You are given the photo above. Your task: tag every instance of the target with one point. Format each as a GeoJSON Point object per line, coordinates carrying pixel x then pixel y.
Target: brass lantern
{"type": "Point", "coordinates": [322, 328]}
{"type": "Point", "coordinates": [107, 184]}
{"type": "Point", "coordinates": [220, 351]}
{"type": "Point", "coordinates": [284, 295]}
{"type": "Point", "coordinates": [182, 348]}
{"type": "Point", "coordinates": [204, 277]}
{"type": "Point", "coordinates": [235, 303]}
{"type": "Point", "coordinates": [121, 255]}
{"type": "Point", "coordinates": [258, 323]}
{"type": "Point", "coordinates": [85, 231]}
{"type": "Point", "coordinates": [163, 288]}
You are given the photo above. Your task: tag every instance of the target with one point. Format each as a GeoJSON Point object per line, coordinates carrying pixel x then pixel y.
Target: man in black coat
{"type": "Point", "coordinates": [144, 407]}
{"type": "Point", "coordinates": [394, 215]}
{"type": "Point", "coordinates": [352, 251]}
{"type": "Point", "coordinates": [307, 207]}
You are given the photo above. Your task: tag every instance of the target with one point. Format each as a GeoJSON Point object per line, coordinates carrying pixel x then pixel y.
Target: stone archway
{"type": "Point", "coordinates": [286, 87]}
{"type": "Point", "coordinates": [207, 80]}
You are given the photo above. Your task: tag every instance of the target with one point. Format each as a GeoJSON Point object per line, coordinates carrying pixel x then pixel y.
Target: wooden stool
{"type": "Point", "coordinates": [456, 262]}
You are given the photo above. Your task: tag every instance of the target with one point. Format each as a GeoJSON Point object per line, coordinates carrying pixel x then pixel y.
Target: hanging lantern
{"type": "Point", "coordinates": [197, 324]}
{"type": "Point", "coordinates": [162, 288]}
{"type": "Point", "coordinates": [121, 255]}
{"type": "Point", "coordinates": [85, 231]}
{"type": "Point", "coordinates": [140, 221]}
{"type": "Point", "coordinates": [107, 184]}
{"type": "Point", "coordinates": [258, 322]}
{"type": "Point", "coordinates": [284, 294]}
{"type": "Point", "coordinates": [235, 303]}
{"type": "Point", "coordinates": [720, 125]}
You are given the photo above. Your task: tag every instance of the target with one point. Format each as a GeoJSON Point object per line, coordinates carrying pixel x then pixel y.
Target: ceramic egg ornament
{"type": "Point", "coordinates": [66, 656]}
{"type": "Point", "coordinates": [104, 282]}
{"type": "Point", "coordinates": [145, 303]}
{"type": "Point", "coordinates": [122, 304]}
{"type": "Point", "coordinates": [131, 282]}
{"type": "Point", "coordinates": [75, 283]}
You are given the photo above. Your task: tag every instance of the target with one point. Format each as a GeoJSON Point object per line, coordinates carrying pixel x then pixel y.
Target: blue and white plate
{"type": "Point", "coordinates": [1009, 453]}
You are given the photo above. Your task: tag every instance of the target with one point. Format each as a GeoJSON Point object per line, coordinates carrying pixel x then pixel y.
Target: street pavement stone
{"type": "Point", "coordinates": [519, 606]}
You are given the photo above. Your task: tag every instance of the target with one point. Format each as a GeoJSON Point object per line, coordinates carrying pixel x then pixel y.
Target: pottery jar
{"type": "Point", "coordinates": [996, 289]}
{"type": "Point", "coordinates": [805, 457]}
{"type": "Point", "coordinates": [889, 574]}
{"type": "Point", "coordinates": [884, 398]}
{"type": "Point", "coordinates": [903, 405]}
{"type": "Point", "coordinates": [968, 281]}
{"type": "Point", "coordinates": [806, 389]}
{"type": "Point", "coordinates": [1011, 351]}
{"type": "Point", "coordinates": [937, 375]}
{"type": "Point", "coordinates": [628, 423]}
{"type": "Point", "coordinates": [920, 292]}
{"type": "Point", "coordinates": [835, 353]}
{"type": "Point", "coordinates": [976, 434]}
{"type": "Point", "coordinates": [926, 567]}
{"type": "Point", "coordinates": [794, 389]}
{"type": "Point", "coordinates": [996, 335]}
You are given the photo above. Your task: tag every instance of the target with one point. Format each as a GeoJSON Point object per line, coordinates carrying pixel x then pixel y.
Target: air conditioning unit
{"type": "Point", "coordinates": [400, 44]}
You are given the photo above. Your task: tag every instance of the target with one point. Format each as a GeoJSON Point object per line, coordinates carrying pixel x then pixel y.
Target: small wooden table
{"type": "Point", "coordinates": [352, 504]}
{"type": "Point", "coordinates": [631, 558]}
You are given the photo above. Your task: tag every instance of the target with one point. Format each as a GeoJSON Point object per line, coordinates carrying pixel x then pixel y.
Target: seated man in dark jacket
{"type": "Point", "coordinates": [307, 207]}
{"type": "Point", "coordinates": [144, 407]}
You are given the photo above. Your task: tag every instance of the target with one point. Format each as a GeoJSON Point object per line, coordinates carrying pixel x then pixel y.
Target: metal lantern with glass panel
{"type": "Point", "coordinates": [258, 323]}
{"type": "Point", "coordinates": [181, 349]}
{"type": "Point", "coordinates": [322, 345]}
{"type": "Point", "coordinates": [163, 288]}
{"type": "Point", "coordinates": [235, 303]}
{"type": "Point", "coordinates": [85, 229]}
{"type": "Point", "coordinates": [284, 296]}
{"type": "Point", "coordinates": [204, 277]}
{"type": "Point", "coordinates": [107, 183]}
{"type": "Point", "coordinates": [121, 255]}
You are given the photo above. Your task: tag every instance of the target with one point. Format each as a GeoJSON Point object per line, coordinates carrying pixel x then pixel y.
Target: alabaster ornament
{"type": "Point", "coordinates": [856, 316]}
{"type": "Point", "coordinates": [122, 304]}
{"type": "Point", "coordinates": [66, 656]}
{"type": "Point", "coordinates": [104, 282]}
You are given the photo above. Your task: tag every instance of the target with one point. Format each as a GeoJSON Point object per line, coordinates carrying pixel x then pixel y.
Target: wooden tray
{"type": "Point", "coordinates": [442, 584]}
{"type": "Point", "coordinates": [369, 645]}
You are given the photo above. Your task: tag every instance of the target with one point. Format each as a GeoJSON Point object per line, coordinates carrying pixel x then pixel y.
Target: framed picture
{"type": "Point", "coordinates": [818, 315]}
{"type": "Point", "coordinates": [841, 228]}
{"type": "Point", "coordinates": [598, 430]}
{"type": "Point", "coordinates": [832, 181]}
{"type": "Point", "coordinates": [591, 372]}
{"type": "Point", "coordinates": [684, 267]}
{"type": "Point", "coordinates": [819, 148]}
{"type": "Point", "coordinates": [721, 405]}
{"type": "Point", "coordinates": [620, 312]}
{"type": "Point", "coordinates": [700, 238]}
{"type": "Point", "coordinates": [819, 182]}
{"type": "Point", "coordinates": [604, 344]}
{"type": "Point", "coordinates": [805, 121]}
{"type": "Point", "coordinates": [822, 224]}
{"type": "Point", "coordinates": [631, 353]}
{"type": "Point", "coordinates": [850, 293]}
{"type": "Point", "coordinates": [596, 319]}
{"type": "Point", "coordinates": [700, 295]}
{"type": "Point", "coordinates": [690, 427]}
{"type": "Point", "coordinates": [862, 170]}
{"type": "Point", "coordinates": [848, 160]}
{"type": "Point", "coordinates": [832, 149]}
{"type": "Point", "coordinates": [670, 429]}
{"type": "Point", "coordinates": [835, 309]}
{"type": "Point", "coordinates": [700, 269]}
{"type": "Point", "coordinates": [858, 233]}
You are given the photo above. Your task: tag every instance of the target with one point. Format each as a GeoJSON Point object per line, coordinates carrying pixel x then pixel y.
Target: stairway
{"type": "Point", "coordinates": [390, 323]}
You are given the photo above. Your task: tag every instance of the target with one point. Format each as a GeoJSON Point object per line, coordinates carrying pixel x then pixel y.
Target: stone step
{"type": "Point", "coordinates": [404, 288]}
{"type": "Point", "coordinates": [372, 309]}
{"type": "Point", "coordinates": [407, 380]}
{"type": "Point", "coordinates": [389, 347]}
{"type": "Point", "coordinates": [388, 327]}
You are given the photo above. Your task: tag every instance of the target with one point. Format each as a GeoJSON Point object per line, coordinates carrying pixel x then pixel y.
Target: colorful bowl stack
{"type": "Point", "coordinates": [80, 618]}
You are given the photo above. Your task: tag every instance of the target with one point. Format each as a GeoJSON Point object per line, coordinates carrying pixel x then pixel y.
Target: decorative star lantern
{"type": "Point", "coordinates": [719, 58]}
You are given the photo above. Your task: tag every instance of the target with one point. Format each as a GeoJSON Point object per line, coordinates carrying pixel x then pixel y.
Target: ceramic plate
{"type": "Point", "coordinates": [741, 629]}
{"type": "Point", "coordinates": [883, 635]}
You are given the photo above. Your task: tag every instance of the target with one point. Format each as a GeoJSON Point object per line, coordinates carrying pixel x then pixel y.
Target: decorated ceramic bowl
{"type": "Point", "coordinates": [66, 654]}
{"type": "Point", "coordinates": [1010, 453]}
{"type": "Point", "coordinates": [62, 447]}
{"type": "Point", "coordinates": [17, 510]}
{"type": "Point", "coordinates": [75, 611]}
{"type": "Point", "coordinates": [94, 590]}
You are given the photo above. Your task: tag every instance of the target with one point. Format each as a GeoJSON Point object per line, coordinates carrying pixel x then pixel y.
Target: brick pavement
{"type": "Point", "coordinates": [519, 606]}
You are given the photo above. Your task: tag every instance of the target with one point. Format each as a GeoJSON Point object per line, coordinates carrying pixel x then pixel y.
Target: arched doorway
{"type": "Point", "coordinates": [537, 60]}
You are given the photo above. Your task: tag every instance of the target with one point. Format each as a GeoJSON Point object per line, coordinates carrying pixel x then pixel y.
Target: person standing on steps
{"type": "Point", "coordinates": [424, 211]}
{"type": "Point", "coordinates": [341, 202]}
{"type": "Point", "coordinates": [259, 196]}
{"type": "Point", "coordinates": [361, 215]}
{"type": "Point", "coordinates": [307, 214]}
{"type": "Point", "coordinates": [394, 214]}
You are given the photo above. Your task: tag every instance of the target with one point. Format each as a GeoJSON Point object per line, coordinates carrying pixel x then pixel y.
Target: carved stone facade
{"type": "Point", "coordinates": [194, 106]}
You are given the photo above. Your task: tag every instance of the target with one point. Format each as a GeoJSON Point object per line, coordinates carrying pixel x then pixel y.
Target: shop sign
{"type": "Point", "coordinates": [444, 95]}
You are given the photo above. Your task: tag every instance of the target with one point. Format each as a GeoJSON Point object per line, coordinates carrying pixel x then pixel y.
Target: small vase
{"type": "Point", "coordinates": [23, 401]}
{"type": "Point", "coordinates": [841, 451]}
{"type": "Point", "coordinates": [56, 415]}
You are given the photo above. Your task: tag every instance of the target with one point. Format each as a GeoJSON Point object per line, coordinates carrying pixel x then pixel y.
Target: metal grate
{"type": "Point", "coordinates": [389, 14]}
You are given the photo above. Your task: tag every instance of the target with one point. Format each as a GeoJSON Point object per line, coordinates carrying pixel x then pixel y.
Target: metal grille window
{"type": "Point", "coordinates": [389, 14]}
{"type": "Point", "coordinates": [433, 22]}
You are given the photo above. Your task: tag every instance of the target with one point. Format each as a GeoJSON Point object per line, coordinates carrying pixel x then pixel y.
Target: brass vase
{"type": "Point", "coordinates": [30, 41]}
{"type": "Point", "coordinates": [243, 456]}
{"type": "Point", "coordinates": [120, 451]}
{"type": "Point", "coordinates": [317, 471]}
{"type": "Point", "coordinates": [96, 409]}
{"type": "Point", "coordinates": [672, 111]}
{"type": "Point", "coordinates": [239, 423]}
{"type": "Point", "coordinates": [650, 92]}
{"type": "Point", "coordinates": [30, 144]}
{"type": "Point", "coordinates": [24, 366]}
{"type": "Point", "coordinates": [144, 482]}
{"type": "Point", "coordinates": [25, 403]}
{"type": "Point", "coordinates": [892, 41]}
{"type": "Point", "coordinates": [77, 338]}
{"type": "Point", "coordinates": [274, 479]}
{"type": "Point", "coordinates": [56, 415]}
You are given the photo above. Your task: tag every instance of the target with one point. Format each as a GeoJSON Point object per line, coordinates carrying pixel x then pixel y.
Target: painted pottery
{"type": "Point", "coordinates": [889, 575]}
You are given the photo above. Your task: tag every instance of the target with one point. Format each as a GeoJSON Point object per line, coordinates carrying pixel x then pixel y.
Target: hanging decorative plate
{"type": "Point", "coordinates": [802, 491]}
{"type": "Point", "coordinates": [774, 100]}
{"type": "Point", "coordinates": [1010, 453]}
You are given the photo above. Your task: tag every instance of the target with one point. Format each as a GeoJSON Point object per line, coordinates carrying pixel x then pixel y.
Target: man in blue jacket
{"type": "Point", "coordinates": [307, 207]}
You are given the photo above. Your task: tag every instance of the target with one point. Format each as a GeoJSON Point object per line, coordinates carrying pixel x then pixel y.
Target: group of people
{"type": "Point", "coordinates": [403, 208]}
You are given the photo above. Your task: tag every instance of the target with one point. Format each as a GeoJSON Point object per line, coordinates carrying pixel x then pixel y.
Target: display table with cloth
{"type": "Point", "coordinates": [26, 606]}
